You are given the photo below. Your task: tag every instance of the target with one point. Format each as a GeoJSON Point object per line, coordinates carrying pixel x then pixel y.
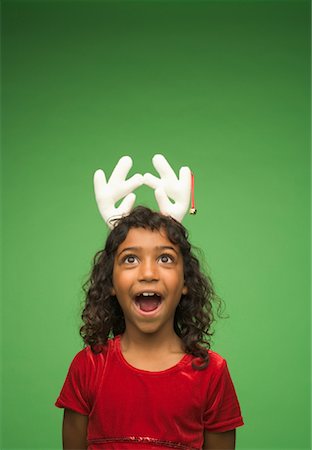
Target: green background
{"type": "Point", "coordinates": [220, 86]}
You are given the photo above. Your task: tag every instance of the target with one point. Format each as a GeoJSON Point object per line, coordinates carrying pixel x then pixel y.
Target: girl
{"type": "Point", "coordinates": [145, 379]}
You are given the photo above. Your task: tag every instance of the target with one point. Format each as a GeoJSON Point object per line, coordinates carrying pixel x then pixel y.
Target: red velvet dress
{"type": "Point", "coordinates": [129, 408]}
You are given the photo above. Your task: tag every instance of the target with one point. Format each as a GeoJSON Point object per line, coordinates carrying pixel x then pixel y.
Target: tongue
{"type": "Point", "coordinates": [148, 303]}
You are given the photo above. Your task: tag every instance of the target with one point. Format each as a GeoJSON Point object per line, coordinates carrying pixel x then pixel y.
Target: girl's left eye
{"type": "Point", "coordinates": [166, 259]}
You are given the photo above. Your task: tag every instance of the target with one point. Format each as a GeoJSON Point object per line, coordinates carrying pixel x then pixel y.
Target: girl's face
{"type": "Point", "coordinates": [148, 280]}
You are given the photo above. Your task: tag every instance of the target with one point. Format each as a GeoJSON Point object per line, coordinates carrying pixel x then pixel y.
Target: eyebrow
{"type": "Point", "coordinates": [160, 247]}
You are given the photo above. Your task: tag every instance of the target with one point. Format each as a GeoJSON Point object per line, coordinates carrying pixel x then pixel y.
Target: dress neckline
{"type": "Point", "coordinates": [183, 361]}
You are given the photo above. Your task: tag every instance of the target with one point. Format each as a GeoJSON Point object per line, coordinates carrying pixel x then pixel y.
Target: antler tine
{"type": "Point", "coordinates": [168, 186]}
{"type": "Point", "coordinates": [117, 187]}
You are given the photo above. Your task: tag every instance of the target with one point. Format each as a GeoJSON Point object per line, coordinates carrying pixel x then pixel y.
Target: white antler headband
{"type": "Point", "coordinates": [167, 187]}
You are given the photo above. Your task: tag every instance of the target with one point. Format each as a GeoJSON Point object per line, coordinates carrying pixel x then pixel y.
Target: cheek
{"type": "Point", "coordinates": [121, 281]}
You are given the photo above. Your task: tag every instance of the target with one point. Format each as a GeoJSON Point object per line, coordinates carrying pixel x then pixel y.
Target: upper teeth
{"type": "Point", "coordinates": [148, 294]}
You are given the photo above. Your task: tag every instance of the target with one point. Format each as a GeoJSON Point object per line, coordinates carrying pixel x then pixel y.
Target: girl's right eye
{"type": "Point", "coordinates": [129, 259]}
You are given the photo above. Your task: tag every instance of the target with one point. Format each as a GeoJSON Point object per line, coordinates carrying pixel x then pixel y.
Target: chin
{"type": "Point", "coordinates": [149, 330]}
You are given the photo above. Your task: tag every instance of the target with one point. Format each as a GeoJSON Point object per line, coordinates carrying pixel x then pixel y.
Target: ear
{"type": "Point", "coordinates": [113, 292]}
{"type": "Point", "coordinates": [185, 290]}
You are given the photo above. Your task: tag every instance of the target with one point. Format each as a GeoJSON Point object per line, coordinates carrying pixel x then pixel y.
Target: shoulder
{"type": "Point", "coordinates": [216, 361]}
{"type": "Point", "coordinates": [87, 358]}
{"type": "Point", "coordinates": [216, 368]}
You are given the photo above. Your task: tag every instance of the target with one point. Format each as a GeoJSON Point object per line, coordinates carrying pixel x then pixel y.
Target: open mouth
{"type": "Point", "coordinates": [148, 301]}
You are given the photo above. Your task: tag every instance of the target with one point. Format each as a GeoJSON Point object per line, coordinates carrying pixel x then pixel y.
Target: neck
{"type": "Point", "coordinates": [153, 342]}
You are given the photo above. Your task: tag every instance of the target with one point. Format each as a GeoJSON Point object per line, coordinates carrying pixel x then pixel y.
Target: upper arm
{"type": "Point", "coordinates": [75, 427]}
{"type": "Point", "coordinates": [219, 441]}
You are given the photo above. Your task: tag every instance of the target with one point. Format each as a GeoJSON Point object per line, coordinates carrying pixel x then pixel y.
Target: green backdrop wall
{"type": "Point", "coordinates": [220, 86]}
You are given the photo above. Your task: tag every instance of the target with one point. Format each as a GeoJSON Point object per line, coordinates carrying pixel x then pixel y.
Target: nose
{"type": "Point", "coordinates": [148, 270]}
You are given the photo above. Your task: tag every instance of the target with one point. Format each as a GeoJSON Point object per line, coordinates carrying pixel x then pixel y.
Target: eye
{"type": "Point", "coordinates": [129, 259]}
{"type": "Point", "coordinates": [166, 259]}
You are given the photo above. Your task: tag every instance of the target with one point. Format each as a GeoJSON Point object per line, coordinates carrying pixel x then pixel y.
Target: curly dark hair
{"type": "Point", "coordinates": [102, 315]}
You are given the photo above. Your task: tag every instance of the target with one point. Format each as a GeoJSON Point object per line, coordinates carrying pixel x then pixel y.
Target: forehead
{"type": "Point", "coordinates": [147, 239]}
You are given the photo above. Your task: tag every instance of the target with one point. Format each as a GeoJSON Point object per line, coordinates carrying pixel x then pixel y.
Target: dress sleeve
{"type": "Point", "coordinates": [223, 411]}
{"type": "Point", "coordinates": [74, 394]}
